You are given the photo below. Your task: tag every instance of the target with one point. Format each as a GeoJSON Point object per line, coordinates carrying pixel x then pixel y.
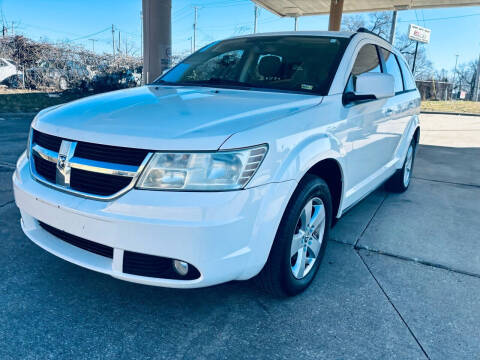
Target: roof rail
{"type": "Point", "coordinates": [364, 30]}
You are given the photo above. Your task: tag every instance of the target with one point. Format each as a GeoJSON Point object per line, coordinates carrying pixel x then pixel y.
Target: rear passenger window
{"type": "Point", "coordinates": [393, 69]}
{"type": "Point", "coordinates": [407, 75]}
{"type": "Point", "coordinates": [367, 61]}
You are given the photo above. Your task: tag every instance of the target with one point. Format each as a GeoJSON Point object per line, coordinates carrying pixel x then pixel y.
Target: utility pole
{"type": "Point", "coordinates": [455, 73]}
{"type": "Point", "coordinates": [296, 24]}
{"type": "Point", "coordinates": [119, 44]}
{"type": "Point", "coordinates": [13, 33]}
{"type": "Point", "coordinates": [195, 29]}
{"type": "Point", "coordinates": [113, 41]}
{"type": "Point", "coordinates": [141, 34]}
{"type": "Point", "coordinates": [93, 44]}
{"type": "Point", "coordinates": [477, 80]}
{"type": "Point", "coordinates": [126, 46]}
{"type": "Point", "coordinates": [255, 21]}
{"type": "Point", "coordinates": [394, 27]}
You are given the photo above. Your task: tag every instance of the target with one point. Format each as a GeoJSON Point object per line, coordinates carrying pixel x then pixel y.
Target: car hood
{"type": "Point", "coordinates": [168, 117]}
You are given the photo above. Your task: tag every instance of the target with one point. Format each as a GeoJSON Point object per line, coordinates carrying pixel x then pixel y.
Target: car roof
{"type": "Point", "coordinates": [344, 34]}
{"type": "Point", "coordinates": [339, 34]}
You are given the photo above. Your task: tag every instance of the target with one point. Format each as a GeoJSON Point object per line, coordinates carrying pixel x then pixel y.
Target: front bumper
{"type": "Point", "coordinates": [225, 235]}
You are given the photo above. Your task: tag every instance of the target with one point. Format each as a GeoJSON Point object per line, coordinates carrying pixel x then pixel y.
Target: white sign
{"type": "Point", "coordinates": [419, 33]}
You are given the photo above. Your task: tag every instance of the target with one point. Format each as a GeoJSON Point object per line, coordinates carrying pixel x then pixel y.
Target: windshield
{"type": "Point", "coordinates": [283, 63]}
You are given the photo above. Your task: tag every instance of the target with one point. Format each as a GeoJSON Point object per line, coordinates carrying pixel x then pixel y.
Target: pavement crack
{"type": "Point", "coordinates": [392, 304]}
{"type": "Point", "coordinates": [418, 261]}
{"type": "Point", "coordinates": [7, 203]}
{"type": "Point", "coordinates": [371, 219]}
{"type": "Point", "coordinates": [6, 164]}
{"type": "Point", "coordinates": [446, 182]}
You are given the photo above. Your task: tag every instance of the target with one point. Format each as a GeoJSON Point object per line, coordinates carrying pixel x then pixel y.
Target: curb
{"type": "Point", "coordinates": [2, 114]}
{"type": "Point", "coordinates": [448, 113]}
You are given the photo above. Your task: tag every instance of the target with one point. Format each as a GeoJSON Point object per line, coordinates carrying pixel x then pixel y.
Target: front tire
{"type": "Point", "coordinates": [301, 238]}
{"type": "Point", "coordinates": [400, 181]}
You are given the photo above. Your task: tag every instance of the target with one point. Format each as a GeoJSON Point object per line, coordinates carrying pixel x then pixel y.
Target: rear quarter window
{"type": "Point", "coordinates": [408, 80]}
{"type": "Point", "coordinates": [393, 69]}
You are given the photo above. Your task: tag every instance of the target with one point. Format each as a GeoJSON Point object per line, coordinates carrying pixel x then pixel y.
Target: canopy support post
{"type": "Point", "coordinates": [335, 18]}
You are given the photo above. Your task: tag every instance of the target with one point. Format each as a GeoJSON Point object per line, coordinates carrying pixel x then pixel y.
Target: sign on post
{"type": "Point", "coordinates": [419, 33]}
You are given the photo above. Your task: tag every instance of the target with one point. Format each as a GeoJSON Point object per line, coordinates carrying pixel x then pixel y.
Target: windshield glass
{"type": "Point", "coordinates": [283, 63]}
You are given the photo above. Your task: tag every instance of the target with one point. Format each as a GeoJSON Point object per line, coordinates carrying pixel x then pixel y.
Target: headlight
{"type": "Point", "coordinates": [202, 171]}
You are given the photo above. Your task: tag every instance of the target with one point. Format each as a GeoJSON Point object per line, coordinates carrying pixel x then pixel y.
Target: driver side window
{"type": "Point", "coordinates": [367, 61]}
{"type": "Point", "coordinates": [225, 66]}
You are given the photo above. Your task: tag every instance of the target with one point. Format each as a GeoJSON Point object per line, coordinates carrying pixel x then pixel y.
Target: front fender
{"type": "Point", "coordinates": [306, 154]}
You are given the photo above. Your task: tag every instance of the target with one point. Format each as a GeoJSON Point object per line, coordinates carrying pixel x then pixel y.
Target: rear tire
{"type": "Point", "coordinates": [305, 226]}
{"type": "Point", "coordinates": [401, 180]}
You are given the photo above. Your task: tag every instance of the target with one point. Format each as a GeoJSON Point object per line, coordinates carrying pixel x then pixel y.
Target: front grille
{"type": "Point", "coordinates": [45, 168]}
{"type": "Point", "coordinates": [49, 142]}
{"type": "Point", "coordinates": [154, 266]}
{"type": "Point", "coordinates": [99, 184]}
{"type": "Point", "coordinates": [79, 242]}
{"type": "Point", "coordinates": [107, 153]}
{"type": "Point", "coordinates": [122, 165]}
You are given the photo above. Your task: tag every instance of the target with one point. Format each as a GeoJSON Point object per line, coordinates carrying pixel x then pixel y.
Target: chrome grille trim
{"type": "Point", "coordinates": [92, 166]}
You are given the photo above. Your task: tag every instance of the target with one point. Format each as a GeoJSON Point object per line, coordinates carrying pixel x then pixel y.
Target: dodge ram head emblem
{"type": "Point", "coordinates": [62, 159]}
{"type": "Point", "coordinates": [63, 166]}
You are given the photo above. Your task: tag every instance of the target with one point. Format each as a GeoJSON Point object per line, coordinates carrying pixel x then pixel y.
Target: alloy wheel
{"type": "Point", "coordinates": [307, 238]}
{"type": "Point", "coordinates": [407, 173]}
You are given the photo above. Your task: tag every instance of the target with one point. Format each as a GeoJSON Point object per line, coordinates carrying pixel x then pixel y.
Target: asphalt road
{"type": "Point", "coordinates": [401, 280]}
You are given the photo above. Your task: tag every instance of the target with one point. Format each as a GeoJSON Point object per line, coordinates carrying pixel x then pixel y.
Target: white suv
{"type": "Point", "coordinates": [233, 164]}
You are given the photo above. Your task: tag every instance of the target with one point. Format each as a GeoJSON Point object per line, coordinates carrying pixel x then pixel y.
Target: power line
{"type": "Point", "coordinates": [90, 35]}
{"type": "Point", "coordinates": [444, 18]}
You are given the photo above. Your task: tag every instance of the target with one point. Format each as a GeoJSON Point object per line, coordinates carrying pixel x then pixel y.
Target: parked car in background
{"type": "Point", "coordinates": [10, 75]}
{"type": "Point", "coordinates": [61, 76]}
{"type": "Point", "coordinates": [233, 164]}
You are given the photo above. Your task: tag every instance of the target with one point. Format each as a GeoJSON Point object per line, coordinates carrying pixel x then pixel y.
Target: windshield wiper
{"type": "Point", "coordinates": [217, 82]}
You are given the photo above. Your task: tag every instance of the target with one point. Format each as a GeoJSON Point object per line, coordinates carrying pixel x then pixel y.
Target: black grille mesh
{"type": "Point", "coordinates": [49, 142]}
{"type": "Point", "coordinates": [96, 183]}
{"type": "Point", "coordinates": [45, 168]}
{"type": "Point", "coordinates": [79, 242]}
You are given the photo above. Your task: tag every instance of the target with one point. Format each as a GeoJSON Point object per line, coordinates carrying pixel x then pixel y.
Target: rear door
{"type": "Point", "coordinates": [395, 109]}
{"type": "Point", "coordinates": [399, 109]}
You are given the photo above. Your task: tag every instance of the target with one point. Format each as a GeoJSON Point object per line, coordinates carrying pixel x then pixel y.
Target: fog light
{"type": "Point", "coordinates": [180, 267]}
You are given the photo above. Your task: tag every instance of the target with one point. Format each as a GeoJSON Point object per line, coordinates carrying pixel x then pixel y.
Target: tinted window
{"type": "Point", "coordinates": [408, 80]}
{"type": "Point", "coordinates": [393, 69]}
{"type": "Point", "coordinates": [290, 63]}
{"type": "Point", "coordinates": [367, 61]}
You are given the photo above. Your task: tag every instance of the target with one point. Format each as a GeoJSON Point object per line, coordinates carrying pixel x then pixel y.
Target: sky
{"type": "Point", "coordinates": [454, 30]}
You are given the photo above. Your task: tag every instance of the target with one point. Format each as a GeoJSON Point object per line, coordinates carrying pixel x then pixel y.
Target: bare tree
{"type": "Point", "coordinates": [380, 23]}
{"type": "Point", "coordinates": [466, 75]}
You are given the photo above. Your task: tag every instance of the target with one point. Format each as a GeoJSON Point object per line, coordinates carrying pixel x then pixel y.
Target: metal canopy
{"type": "Point", "coordinates": [294, 8]}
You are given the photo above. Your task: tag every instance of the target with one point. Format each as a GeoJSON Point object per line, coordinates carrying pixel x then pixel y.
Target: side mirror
{"type": "Point", "coordinates": [371, 86]}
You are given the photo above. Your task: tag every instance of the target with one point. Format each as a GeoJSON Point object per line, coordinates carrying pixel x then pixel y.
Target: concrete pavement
{"type": "Point", "coordinates": [374, 297]}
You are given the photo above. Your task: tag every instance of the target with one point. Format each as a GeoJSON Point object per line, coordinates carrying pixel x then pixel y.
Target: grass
{"type": "Point", "coordinates": [16, 101]}
{"type": "Point", "coordinates": [452, 106]}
